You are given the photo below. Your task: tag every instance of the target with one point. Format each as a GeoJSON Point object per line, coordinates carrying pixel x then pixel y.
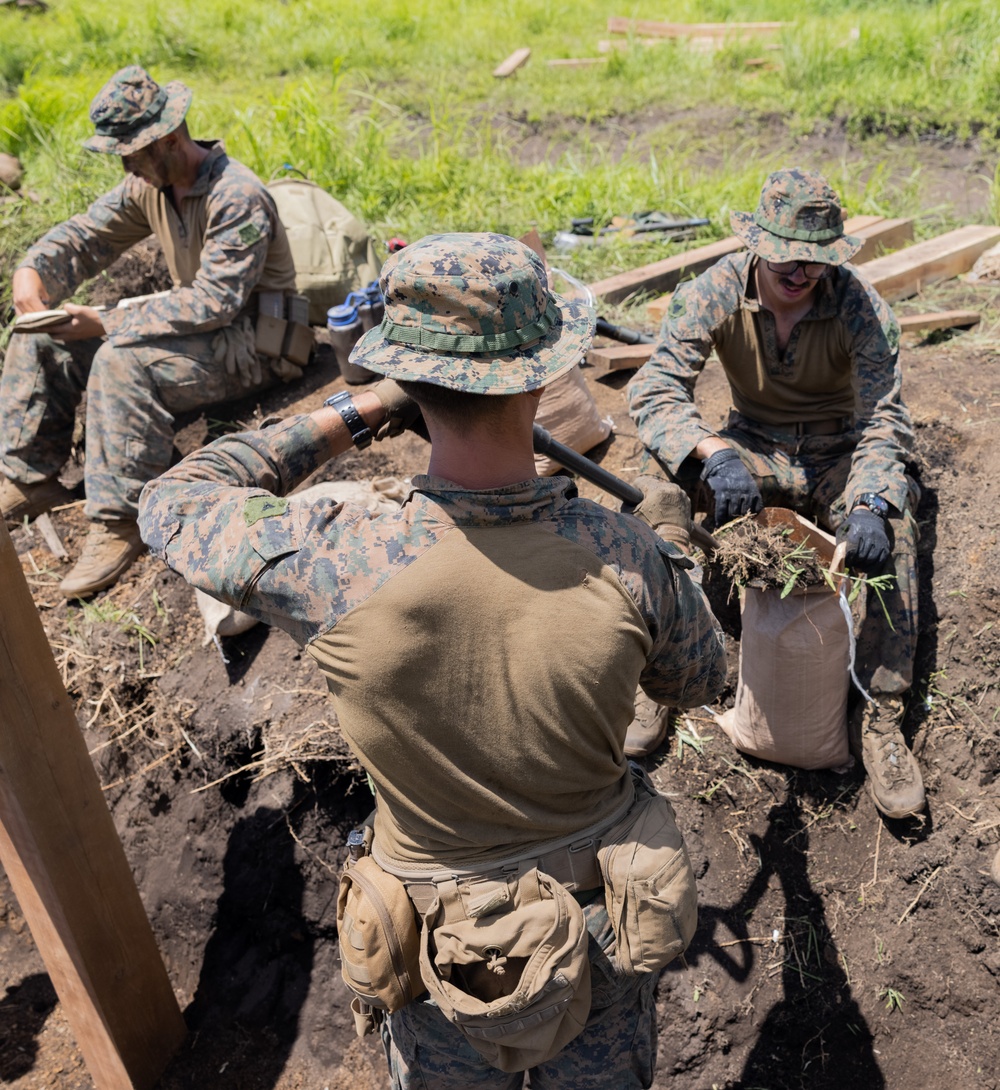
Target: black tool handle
{"type": "Point", "coordinates": [623, 333]}
{"type": "Point", "coordinates": [584, 467]}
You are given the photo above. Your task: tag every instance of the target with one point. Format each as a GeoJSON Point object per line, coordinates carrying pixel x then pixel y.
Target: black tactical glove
{"type": "Point", "coordinates": [735, 491]}
{"type": "Point", "coordinates": [867, 541]}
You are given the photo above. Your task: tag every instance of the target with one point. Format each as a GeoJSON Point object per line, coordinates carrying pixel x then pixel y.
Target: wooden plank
{"type": "Point", "coordinates": [618, 25]}
{"type": "Point", "coordinates": [941, 319]}
{"type": "Point", "coordinates": [619, 357]}
{"type": "Point", "coordinates": [48, 531]}
{"type": "Point", "coordinates": [665, 275]}
{"type": "Point", "coordinates": [66, 865]}
{"type": "Point", "coordinates": [512, 63]}
{"type": "Point", "coordinates": [533, 240]}
{"type": "Point", "coordinates": [900, 275]}
{"type": "Point", "coordinates": [877, 232]}
{"type": "Point", "coordinates": [575, 62]}
{"type": "Point", "coordinates": [887, 235]}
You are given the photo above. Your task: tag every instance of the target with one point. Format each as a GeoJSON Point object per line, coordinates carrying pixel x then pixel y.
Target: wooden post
{"type": "Point", "coordinates": [66, 864]}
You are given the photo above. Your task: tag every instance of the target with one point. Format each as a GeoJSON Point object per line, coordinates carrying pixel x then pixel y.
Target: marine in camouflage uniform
{"type": "Point", "coordinates": [482, 645]}
{"type": "Point", "coordinates": [811, 352]}
{"type": "Point", "coordinates": [192, 347]}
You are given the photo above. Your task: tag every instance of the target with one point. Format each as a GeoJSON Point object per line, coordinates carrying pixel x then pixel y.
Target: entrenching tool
{"type": "Point", "coordinates": [622, 333]}
{"type": "Point", "coordinates": [603, 478]}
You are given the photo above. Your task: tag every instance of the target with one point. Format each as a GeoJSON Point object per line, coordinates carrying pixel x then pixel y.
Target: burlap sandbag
{"type": "Point", "coordinates": [791, 700]}
{"type": "Point", "coordinates": [569, 413]}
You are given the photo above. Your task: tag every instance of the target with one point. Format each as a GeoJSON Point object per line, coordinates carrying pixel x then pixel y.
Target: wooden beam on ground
{"type": "Point", "coordinates": [512, 63]}
{"type": "Point", "coordinates": [665, 275]}
{"type": "Point", "coordinates": [886, 235]}
{"type": "Point", "coordinates": [877, 232]}
{"type": "Point", "coordinates": [66, 864]}
{"type": "Point", "coordinates": [941, 319]}
{"type": "Point", "coordinates": [618, 25]}
{"type": "Point", "coordinates": [619, 357]}
{"type": "Point", "coordinates": [575, 62]}
{"type": "Point", "coordinates": [900, 275]}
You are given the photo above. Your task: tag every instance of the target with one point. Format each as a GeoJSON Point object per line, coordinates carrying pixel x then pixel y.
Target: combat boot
{"type": "Point", "coordinates": [108, 552]}
{"type": "Point", "coordinates": [19, 501]}
{"type": "Point", "coordinates": [648, 730]}
{"type": "Point", "coordinates": [894, 779]}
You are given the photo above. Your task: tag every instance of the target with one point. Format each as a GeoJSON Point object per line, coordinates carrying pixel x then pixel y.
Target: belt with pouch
{"type": "Point", "coordinates": [572, 862]}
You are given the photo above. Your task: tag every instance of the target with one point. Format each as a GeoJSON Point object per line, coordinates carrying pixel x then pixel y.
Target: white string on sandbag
{"type": "Point", "coordinates": [845, 608]}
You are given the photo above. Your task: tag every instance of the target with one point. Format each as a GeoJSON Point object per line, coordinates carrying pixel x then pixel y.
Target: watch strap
{"type": "Point", "coordinates": [361, 434]}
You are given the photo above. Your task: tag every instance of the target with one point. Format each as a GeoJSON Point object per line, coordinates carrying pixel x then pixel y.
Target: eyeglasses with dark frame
{"type": "Point", "coordinates": [814, 270]}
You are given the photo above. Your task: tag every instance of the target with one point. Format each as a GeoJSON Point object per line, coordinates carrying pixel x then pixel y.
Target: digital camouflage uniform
{"type": "Point", "coordinates": [481, 647]}
{"type": "Point", "coordinates": [841, 363]}
{"type": "Point", "coordinates": [223, 243]}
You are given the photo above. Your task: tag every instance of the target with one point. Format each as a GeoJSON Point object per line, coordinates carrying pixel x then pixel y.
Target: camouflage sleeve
{"type": "Point", "coordinates": [886, 442]}
{"type": "Point", "coordinates": [661, 395]}
{"type": "Point", "coordinates": [218, 519]}
{"type": "Point", "coordinates": [85, 245]}
{"type": "Point", "coordinates": [241, 223]}
{"type": "Point", "coordinates": [687, 663]}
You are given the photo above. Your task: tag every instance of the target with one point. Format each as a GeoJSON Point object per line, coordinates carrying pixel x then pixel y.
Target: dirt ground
{"type": "Point", "coordinates": [834, 949]}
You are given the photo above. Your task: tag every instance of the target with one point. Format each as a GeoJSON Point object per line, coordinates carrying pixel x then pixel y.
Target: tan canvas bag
{"type": "Point", "coordinates": [331, 248]}
{"type": "Point", "coordinates": [649, 885]}
{"type": "Point", "coordinates": [505, 958]}
{"type": "Point", "coordinates": [379, 943]}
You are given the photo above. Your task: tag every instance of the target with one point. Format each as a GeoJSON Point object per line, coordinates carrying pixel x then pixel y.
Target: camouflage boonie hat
{"type": "Point", "coordinates": [798, 219]}
{"type": "Point", "coordinates": [473, 312]}
{"type": "Point", "coordinates": [132, 110]}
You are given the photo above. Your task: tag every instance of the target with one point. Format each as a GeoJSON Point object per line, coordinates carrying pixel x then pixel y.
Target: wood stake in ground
{"type": "Point", "coordinates": [66, 865]}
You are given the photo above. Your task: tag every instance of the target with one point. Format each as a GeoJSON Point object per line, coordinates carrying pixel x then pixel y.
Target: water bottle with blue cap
{"type": "Point", "coordinates": [345, 326]}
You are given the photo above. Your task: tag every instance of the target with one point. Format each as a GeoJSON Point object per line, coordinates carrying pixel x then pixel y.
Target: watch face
{"type": "Point", "coordinates": [874, 503]}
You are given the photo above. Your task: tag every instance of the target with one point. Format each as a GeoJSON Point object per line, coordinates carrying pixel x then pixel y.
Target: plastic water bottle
{"type": "Point", "coordinates": [346, 328]}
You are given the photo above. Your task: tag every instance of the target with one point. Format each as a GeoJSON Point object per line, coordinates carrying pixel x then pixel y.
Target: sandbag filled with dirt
{"type": "Point", "coordinates": [791, 699]}
{"type": "Point", "coordinates": [569, 413]}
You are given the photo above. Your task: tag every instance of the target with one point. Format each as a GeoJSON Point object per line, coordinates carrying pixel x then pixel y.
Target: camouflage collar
{"type": "Point", "coordinates": [526, 501]}
{"type": "Point", "coordinates": [216, 151]}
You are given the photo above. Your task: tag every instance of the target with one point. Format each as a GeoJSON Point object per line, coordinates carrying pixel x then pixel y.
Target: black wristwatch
{"type": "Point", "coordinates": [874, 502]}
{"type": "Point", "coordinates": [361, 434]}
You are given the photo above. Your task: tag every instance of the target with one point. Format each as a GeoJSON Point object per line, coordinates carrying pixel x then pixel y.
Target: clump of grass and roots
{"type": "Point", "coordinates": [751, 554]}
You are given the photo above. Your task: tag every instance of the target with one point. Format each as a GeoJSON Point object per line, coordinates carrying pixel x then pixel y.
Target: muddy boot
{"type": "Point", "coordinates": [108, 552]}
{"type": "Point", "coordinates": [894, 779]}
{"type": "Point", "coordinates": [995, 869]}
{"type": "Point", "coordinates": [648, 729]}
{"type": "Point", "coordinates": [18, 501]}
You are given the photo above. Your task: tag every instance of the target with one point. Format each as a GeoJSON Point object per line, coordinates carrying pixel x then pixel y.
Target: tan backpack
{"type": "Point", "coordinates": [331, 248]}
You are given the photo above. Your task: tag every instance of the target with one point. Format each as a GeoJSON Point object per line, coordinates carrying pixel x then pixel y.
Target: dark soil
{"type": "Point", "coordinates": [835, 949]}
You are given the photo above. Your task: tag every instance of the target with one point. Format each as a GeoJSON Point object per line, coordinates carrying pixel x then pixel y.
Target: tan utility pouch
{"type": "Point", "coordinates": [379, 944]}
{"type": "Point", "coordinates": [505, 958]}
{"type": "Point", "coordinates": [649, 885]}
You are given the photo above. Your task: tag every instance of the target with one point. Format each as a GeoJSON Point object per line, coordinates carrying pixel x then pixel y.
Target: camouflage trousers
{"type": "Point", "coordinates": [617, 1049]}
{"type": "Point", "coordinates": [132, 394]}
{"type": "Point", "coordinates": [809, 475]}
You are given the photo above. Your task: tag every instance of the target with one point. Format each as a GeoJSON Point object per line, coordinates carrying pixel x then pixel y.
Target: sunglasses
{"type": "Point", "coordinates": [814, 270]}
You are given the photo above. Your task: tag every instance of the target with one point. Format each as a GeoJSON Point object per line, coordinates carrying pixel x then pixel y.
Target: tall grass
{"type": "Point", "coordinates": [393, 106]}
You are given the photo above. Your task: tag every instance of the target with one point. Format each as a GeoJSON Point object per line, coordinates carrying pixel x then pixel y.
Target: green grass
{"type": "Point", "coordinates": [393, 107]}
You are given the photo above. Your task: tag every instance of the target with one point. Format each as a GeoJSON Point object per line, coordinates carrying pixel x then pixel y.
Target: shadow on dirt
{"type": "Point", "coordinates": [817, 1017]}
{"type": "Point", "coordinates": [23, 1012]}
